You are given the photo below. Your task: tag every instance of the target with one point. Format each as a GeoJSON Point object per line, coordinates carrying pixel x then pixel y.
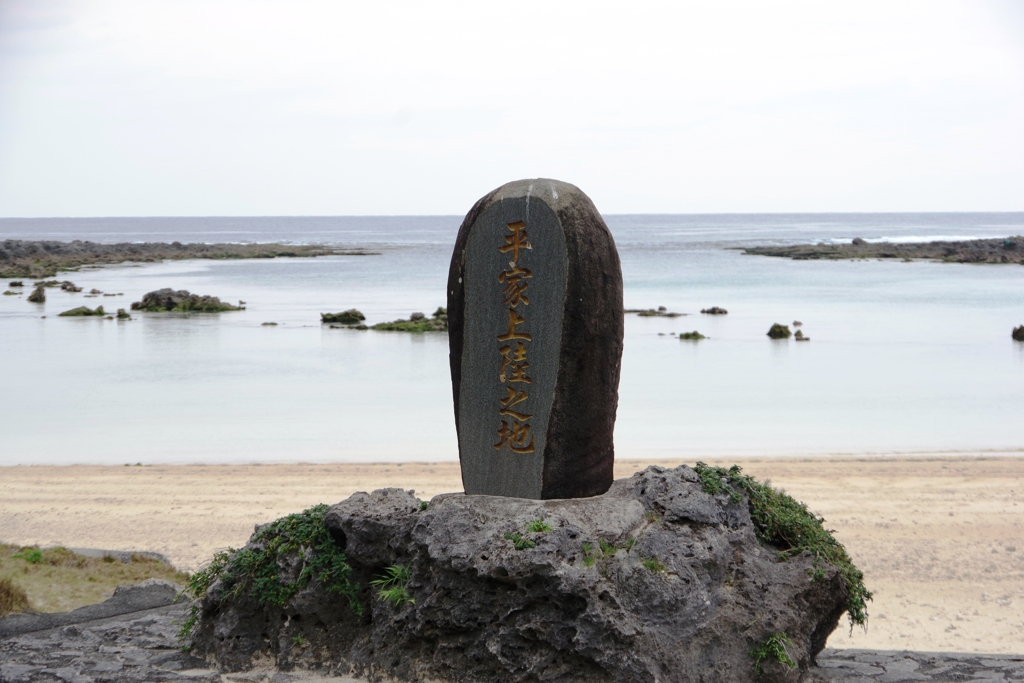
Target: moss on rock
{"type": "Point", "coordinates": [83, 311]}
{"type": "Point", "coordinates": [255, 571]}
{"type": "Point", "coordinates": [783, 522]}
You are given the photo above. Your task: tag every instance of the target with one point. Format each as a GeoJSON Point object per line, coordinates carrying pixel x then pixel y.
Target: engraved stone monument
{"type": "Point", "coordinates": [535, 332]}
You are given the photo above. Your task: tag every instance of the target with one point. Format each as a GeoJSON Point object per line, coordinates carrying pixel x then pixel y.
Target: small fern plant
{"type": "Point", "coordinates": [393, 586]}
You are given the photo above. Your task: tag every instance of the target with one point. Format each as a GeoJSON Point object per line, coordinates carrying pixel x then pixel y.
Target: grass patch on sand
{"type": "Point", "coordinates": [58, 580]}
{"type": "Point", "coordinates": [12, 597]}
{"type": "Point", "coordinates": [787, 524]}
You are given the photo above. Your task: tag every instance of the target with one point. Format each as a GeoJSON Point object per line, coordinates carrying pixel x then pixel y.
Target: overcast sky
{"type": "Point", "coordinates": [218, 107]}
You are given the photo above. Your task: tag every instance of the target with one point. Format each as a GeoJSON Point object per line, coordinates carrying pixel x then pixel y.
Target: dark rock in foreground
{"type": "Point", "coordinates": [1018, 333]}
{"type": "Point", "coordinates": [656, 580]}
{"type": "Point", "coordinates": [999, 250]}
{"type": "Point", "coordinates": [182, 300]}
{"type": "Point", "coordinates": [141, 648]}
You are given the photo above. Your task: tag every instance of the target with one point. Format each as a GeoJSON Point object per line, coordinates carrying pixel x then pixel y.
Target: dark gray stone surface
{"type": "Point", "coordinates": [890, 666]}
{"type": "Point", "coordinates": [126, 599]}
{"type": "Point", "coordinates": [133, 648]}
{"type": "Point", "coordinates": [142, 647]}
{"type": "Point", "coordinates": [654, 581]}
{"type": "Point", "coordinates": [535, 328]}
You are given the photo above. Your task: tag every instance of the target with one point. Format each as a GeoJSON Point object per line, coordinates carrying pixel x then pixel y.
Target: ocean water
{"type": "Point", "coordinates": [904, 357]}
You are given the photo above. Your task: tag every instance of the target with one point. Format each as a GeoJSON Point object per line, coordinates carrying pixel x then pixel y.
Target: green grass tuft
{"type": "Point", "coordinates": [773, 648]}
{"type": "Point", "coordinates": [786, 523]}
{"type": "Point", "coordinates": [654, 564]}
{"type": "Point", "coordinates": [31, 555]}
{"type": "Point", "coordinates": [392, 587]}
{"type": "Point", "coordinates": [520, 542]}
{"type": "Point", "coordinates": [537, 526]}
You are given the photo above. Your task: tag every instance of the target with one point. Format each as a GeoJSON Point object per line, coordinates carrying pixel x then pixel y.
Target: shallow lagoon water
{"type": "Point", "coordinates": [904, 357]}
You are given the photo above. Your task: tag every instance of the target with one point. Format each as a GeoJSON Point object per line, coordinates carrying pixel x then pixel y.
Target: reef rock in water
{"type": "Point", "coordinates": [182, 300]}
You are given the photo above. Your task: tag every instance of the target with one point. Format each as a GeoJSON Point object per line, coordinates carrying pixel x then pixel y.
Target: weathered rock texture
{"type": "Point", "coordinates": [567, 270]}
{"type": "Point", "coordinates": [653, 581]}
{"type": "Point", "coordinates": [141, 648]}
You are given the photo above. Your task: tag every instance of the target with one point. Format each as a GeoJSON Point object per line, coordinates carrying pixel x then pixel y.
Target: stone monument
{"type": "Point", "coordinates": [535, 333]}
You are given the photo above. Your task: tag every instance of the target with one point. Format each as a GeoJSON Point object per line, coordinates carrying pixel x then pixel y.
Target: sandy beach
{"type": "Point", "coordinates": [940, 539]}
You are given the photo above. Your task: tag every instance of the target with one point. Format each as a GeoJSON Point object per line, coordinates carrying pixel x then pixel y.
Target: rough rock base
{"type": "Point", "coordinates": [653, 581]}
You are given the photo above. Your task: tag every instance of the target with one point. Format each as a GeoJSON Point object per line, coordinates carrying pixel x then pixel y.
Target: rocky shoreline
{"type": "Point", "coordinates": [36, 259]}
{"type": "Point", "coordinates": [998, 250]}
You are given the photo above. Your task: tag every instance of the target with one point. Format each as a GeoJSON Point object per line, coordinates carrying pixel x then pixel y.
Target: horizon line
{"type": "Point", "coordinates": [452, 215]}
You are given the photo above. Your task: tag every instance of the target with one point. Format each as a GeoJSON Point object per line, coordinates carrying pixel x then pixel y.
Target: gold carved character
{"type": "Point", "coordinates": [514, 364]}
{"type": "Point", "coordinates": [514, 397]}
{"type": "Point", "coordinates": [517, 436]}
{"type": "Point", "coordinates": [514, 319]}
{"type": "Point", "coordinates": [515, 285]}
{"type": "Point", "coordinates": [516, 241]}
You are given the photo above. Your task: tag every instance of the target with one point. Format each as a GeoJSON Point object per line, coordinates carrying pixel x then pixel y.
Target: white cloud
{"type": "Point", "coordinates": [221, 108]}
